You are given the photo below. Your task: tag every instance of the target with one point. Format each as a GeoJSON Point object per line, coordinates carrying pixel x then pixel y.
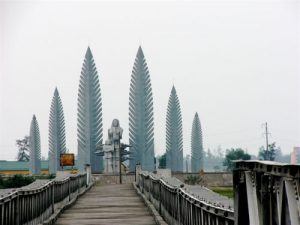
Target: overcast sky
{"type": "Point", "coordinates": [234, 62]}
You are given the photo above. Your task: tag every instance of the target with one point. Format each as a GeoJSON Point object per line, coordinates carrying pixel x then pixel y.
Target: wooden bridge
{"type": "Point", "coordinates": [109, 204]}
{"type": "Point", "coordinates": [266, 193]}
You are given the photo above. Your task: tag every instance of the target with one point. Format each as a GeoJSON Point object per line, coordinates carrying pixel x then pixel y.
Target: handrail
{"type": "Point", "coordinates": [36, 202]}
{"type": "Point", "coordinates": [178, 206]}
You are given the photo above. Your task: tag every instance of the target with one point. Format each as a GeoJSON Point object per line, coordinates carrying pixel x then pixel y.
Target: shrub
{"type": "Point", "coordinates": [192, 180]}
{"type": "Point", "coordinates": [17, 181]}
{"type": "Point", "coordinates": [51, 176]}
{"type": "Point", "coordinates": [45, 176]}
{"type": "Point", "coordinates": [1, 181]}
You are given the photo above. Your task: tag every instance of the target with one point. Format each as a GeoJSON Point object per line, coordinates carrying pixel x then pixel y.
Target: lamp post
{"type": "Point", "coordinates": [123, 157]}
{"type": "Point", "coordinates": [120, 163]}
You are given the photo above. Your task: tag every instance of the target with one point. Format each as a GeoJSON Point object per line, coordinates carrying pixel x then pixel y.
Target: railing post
{"type": "Point", "coordinates": [17, 210]}
{"type": "Point", "coordinates": [149, 186]}
{"type": "Point", "coordinates": [178, 204]}
{"type": "Point", "coordinates": [138, 170]}
{"type": "Point", "coordinates": [159, 197]}
{"type": "Point", "coordinates": [88, 174]}
{"type": "Point", "coordinates": [78, 183]}
{"type": "Point", "coordinates": [69, 188]}
{"type": "Point", "coordinates": [52, 197]}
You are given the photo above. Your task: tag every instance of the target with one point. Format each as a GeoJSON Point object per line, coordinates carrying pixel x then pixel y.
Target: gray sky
{"type": "Point", "coordinates": [234, 62]}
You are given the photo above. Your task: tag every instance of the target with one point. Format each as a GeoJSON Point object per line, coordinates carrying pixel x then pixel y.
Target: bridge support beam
{"type": "Point", "coordinates": [266, 193]}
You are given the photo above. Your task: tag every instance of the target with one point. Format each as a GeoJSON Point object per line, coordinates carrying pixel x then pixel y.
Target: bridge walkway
{"type": "Point", "coordinates": [108, 204]}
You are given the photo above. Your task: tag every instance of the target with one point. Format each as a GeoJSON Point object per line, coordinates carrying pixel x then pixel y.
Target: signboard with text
{"type": "Point", "coordinates": [67, 159]}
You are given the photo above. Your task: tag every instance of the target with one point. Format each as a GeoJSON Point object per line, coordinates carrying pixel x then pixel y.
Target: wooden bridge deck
{"type": "Point", "coordinates": [108, 204]}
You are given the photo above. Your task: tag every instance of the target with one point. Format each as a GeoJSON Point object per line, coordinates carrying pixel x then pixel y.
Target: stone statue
{"type": "Point", "coordinates": [115, 132]}
{"type": "Point", "coordinates": [112, 148]}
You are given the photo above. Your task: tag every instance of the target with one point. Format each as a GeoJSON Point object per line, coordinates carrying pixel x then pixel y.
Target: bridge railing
{"type": "Point", "coordinates": [178, 205]}
{"type": "Point", "coordinates": [266, 193]}
{"type": "Point", "coordinates": [36, 202]}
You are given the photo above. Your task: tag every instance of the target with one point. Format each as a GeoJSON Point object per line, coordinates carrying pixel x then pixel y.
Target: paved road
{"type": "Point", "coordinates": [106, 205]}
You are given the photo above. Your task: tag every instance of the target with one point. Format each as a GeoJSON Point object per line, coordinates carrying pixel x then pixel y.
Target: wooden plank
{"type": "Point", "coordinates": [108, 204]}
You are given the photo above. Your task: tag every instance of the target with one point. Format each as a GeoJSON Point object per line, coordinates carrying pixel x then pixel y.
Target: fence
{"type": "Point", "coordinates": [35, 203]}
{"type": "Point", "coordinates": [178, 206]}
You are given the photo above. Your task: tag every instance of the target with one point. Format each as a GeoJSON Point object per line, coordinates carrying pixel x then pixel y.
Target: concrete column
{"type": "Point", "coordinates": [138, 169]}
{"type": "Point", "coordinates": [88, 171]}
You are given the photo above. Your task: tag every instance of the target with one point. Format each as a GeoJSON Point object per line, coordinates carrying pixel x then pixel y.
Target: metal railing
{"type": "Point", "coordinates": [178, 206]}
{"type": "Point", "coordinates": [35, 203]}
{"type": "Point", "coordinates": [266, 193]}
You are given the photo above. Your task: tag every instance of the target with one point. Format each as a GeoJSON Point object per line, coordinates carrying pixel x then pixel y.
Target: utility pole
{"type": "Point", "coordinates": [267, 139]}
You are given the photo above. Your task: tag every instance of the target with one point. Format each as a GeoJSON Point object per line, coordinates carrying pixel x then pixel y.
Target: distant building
{"type": "Point", "coordinates": [187, 163]}
{"type": "Point", "coordinates": [295, 156]}
{"type": "Point", "coordinates": [10, 168]}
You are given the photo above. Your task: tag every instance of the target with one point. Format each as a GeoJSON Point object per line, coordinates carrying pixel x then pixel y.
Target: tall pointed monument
{"type": "Point", "coordinates": [196, 145]}
{"type": "Point", "coordinates": [34, 147]}
{"type": "Point", "coordinates": [141, 124]}
{"type": "Point", "coordinates": [174, 142]}
{"type": "Point", "coordinates": [89, 116]}
{"type": "Point", "coordinates": [57, 137]}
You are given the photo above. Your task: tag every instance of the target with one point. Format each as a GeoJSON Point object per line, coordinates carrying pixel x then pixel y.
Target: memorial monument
{"type": "Point", "coordinates": [141, 125]}
{"type": "Point", "coordinates": [196, 146]}
{"type": "Point", "coordinates": [57, 136]}
{"type": "Point", "coordinates": [34, 148]}
{"type": "Point", "coordinates": [89, 116]}
{"type": "Point", "coordinates": [174, 143]}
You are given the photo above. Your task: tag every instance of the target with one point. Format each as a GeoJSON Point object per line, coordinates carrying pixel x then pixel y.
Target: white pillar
{"type": "Point", "coordinates": [88, 171]}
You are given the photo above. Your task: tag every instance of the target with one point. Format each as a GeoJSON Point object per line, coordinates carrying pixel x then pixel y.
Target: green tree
{"type": "Point", "coordinates": [234, 154]}
{"type": "Point", "coordinates": [280, 157]}
{"type": "Point", "coordinates": [213, 158]}
{"type": "Point", "coordinates": [162, 161]}
{"type": "Point", "coordinates": [23, 149]}
{"type": "Point", "coordinates": [269, 154]}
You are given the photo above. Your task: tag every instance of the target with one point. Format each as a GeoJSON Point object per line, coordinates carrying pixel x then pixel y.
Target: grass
{"type": "Point", "coordinates": [225, 191]}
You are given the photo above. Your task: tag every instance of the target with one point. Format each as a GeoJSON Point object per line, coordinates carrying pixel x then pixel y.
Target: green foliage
{"type": "Point", "coordinates": [234, 154]}
{"type": "Point", "coordinates": [1, 182]}
{"type": "Point", "coordinates": [51, 176]}
{"type": "Point", "coordinates": [23, 149]}
{"type": "Point", "coordinates": [16, 181]}
{"type": "Point", "coordinates": [214, 159]}
{"type": "Point", "coordinates": [269, 154]}
{"type": "Point", "coordinates": [225, 191]}
{"type": "Point", "coordinates": [192, 180]}
{"type": "Point", "coordinates": [45, 177]}
{"type": "Point", "coordinates": [162, 161]}
{"type": "Point", "coordinates": [280, 157]}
